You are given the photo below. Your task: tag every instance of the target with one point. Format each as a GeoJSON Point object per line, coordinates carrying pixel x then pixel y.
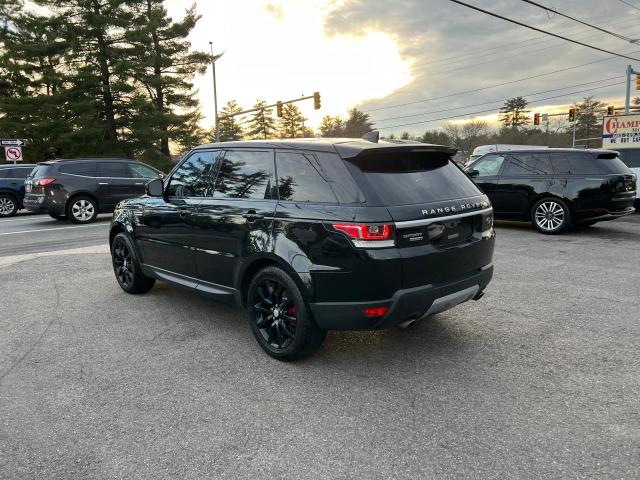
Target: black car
{"type": "Point", "coordinates": [556, 188]}
{"type": "Point", "coordinates": [79, 189]}
{"type": "Point", "coordinates": [311, 235]}
{"type": "Point", "coordinates": [12, 187]}
{"type": "Point", "coordinates": [631, 158]}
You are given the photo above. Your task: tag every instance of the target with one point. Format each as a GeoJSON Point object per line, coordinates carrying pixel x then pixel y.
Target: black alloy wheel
{"type": "Point", "coordinates": [280, 318]}
{"type": "Point", "coordinates": [126, 266]}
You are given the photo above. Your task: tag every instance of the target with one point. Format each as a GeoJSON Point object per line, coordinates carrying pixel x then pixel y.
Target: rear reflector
{"type": "Point", "coordinates": [376, 311]}
{"type": "Point", "coordinates": [43, 182]}
{"type": "Point", "coordinates": [365, 236]}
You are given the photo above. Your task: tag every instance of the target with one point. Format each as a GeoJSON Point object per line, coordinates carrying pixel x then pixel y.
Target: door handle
{"type": "Point", "coordinates": [103, 183]}
{"type": "Point", "coordinates": [252, 216]}
{"type": "Point", "coordinates": [139, 183]}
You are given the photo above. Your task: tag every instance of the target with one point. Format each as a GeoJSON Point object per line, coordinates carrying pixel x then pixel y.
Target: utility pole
{"type": "Point", "coordinates": [573, 144]}
{"type": "Point", "coordinates": [215, 93]}
{"type": "Point", "coordinates": [628, 98]}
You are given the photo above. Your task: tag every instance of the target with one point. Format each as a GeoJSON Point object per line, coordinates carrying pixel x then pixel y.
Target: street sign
{"type": "Point", "coordinates": [545, 118]}
{"type": "Point", "coordinates": [12, 141]}
{"type": "Point", "coordinates": [13, 154]}
{"type": "Point", "coordinates": [621, 131]}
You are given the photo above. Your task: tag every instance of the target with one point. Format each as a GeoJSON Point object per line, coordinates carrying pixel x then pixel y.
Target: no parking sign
{"type": "Point", "coordinates": [13, 154]}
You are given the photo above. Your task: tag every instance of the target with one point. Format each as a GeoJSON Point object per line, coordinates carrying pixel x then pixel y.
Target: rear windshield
{"type": "Point", "coordinates": [403, 178]}
{"type": "Point", "coordinates": [40, 170]}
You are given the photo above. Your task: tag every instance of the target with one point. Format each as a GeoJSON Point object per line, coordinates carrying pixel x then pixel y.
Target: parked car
{"type": "Point", "coordinates": [556, 188]}
{"type": "Point", "coordinates": [311, 235]}
{"type": "Point", "coordinates": [631, 158]}
{"type": "Point", "coordinates": [12, 187]}
{"type": "Point", "coordinates": [79, 189]}
{"type": "Point", "coordinates": [499, 147]}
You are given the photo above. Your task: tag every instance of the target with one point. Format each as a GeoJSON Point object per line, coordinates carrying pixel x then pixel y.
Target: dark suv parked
{"type": "Point", "coordinates": [79, 189]}
{"type": "Point", "coordinates": [556, 188]}
{"type": "Point", "coordinates": [311, 235]}
{"type": "Point", "coordinates": [12, 187]}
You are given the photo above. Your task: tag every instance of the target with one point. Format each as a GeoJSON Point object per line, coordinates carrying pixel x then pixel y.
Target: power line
{"type": "Point", "coordinates": [542, 31]}
{"type": "Point", "coordinates": [500, 100]}
{"type": "Point", "coordinates": [493, 109]}
{"type": "Point", "coordinates": [629, 4]}
{"type": "Point", "coordinates": [621, 37]}
{"type": "Point", "coordinates": [492, 86]}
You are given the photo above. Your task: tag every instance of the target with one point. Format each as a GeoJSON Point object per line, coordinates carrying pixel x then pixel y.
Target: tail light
{"type": "Point", "coordinates": [43, 182]}
{"type": "Point", "coordinates": [376, 311]}
{"type": "Point", "coordinates": [367, 236]}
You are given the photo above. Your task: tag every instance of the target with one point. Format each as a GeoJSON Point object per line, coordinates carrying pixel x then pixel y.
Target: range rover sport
{"type": "Point", "coordinates": [311, 235]}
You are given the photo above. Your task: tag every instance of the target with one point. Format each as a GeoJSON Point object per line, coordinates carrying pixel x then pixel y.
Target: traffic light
{"type": "Point", "coordinates": [279, 109]}
{"type": "Point", "coordinates": [536, 119]}
{"type": "Point", "coordinates": [638, 81]}
{"type": "Point", "coordinates": [611, 110]}
{"type": "Point", "coordinates": [572, 114]}
{"type": "Point", "coordinates": [316, 100]}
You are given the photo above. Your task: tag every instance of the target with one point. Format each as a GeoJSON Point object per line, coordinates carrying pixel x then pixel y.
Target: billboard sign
{"type": "Point", "coordinates": [621, 131]}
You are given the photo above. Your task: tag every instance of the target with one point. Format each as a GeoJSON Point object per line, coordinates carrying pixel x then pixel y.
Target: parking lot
{"type": "Point", "coordinates": [540, 378]}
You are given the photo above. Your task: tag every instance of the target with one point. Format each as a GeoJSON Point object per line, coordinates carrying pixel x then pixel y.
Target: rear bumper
{"type": "Point", "coordinates": [407, 304]}
{"type": "Point", "coordinates": [606, 215]}
{"type": "Point", "coordinates": [42, 203]}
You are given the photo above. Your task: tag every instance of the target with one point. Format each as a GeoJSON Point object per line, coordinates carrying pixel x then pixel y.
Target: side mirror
{"type": "Point", "coordinates": [155, 188]}
{"type": "Point", "coordinates": [473, 173]}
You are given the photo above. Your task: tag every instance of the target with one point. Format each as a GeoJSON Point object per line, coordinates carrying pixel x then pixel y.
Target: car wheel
{"type": "Point", "coordinates": [127, 268]}
{"type": "Point", "coordinates": [280, 318]}
{"type": "Point", "coordinates": [82, 210]}
{"type": "Point", "coordinates": [551, 216]}
{"type": "Point", "coordinates": [58, 217]}
{"type": "Point", "coordinates": [8, 205]}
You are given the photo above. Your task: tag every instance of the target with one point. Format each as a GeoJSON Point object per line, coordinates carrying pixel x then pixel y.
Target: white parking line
{"type": "Point", "coordinates": [25, 217]}
{"type": "Point", "coordinates": [55, 228]}
{"type": "Point", "coordinates": [13, 259]}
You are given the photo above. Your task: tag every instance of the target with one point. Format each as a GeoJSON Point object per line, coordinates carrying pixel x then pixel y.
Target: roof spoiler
{"type": "Point", "coordinates": [372, 136]}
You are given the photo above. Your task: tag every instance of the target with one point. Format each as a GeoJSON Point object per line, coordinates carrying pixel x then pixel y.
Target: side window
{"type": "Point", "coordinates": [335, 171]}
{"type": "Point", "coordinates": [113, 170]}
{"type": "Point", "coordinates": [21, 172]}
{"type": "Point", "coordinates": [139, 170]}
{"type": "Point", "coordinates": [631, 157]}
{"type": "Point", "coordinates": [528, 164]}
{"type": "Point", "coordinates": [489, 166]}
{"type": "Point", "coordinates": [300, 181]}
{"type": "Point", "coordinates": [246, 174]}
{"type": "Point", "coordinates": [194, 177]}
{"type": "Point", "coordinates": [87, 169]}
{"type": "Point", "coordinates": [575, 163]}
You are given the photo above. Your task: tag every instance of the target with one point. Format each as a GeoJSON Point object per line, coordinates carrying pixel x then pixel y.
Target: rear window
{"type": "Point", "coordinates": [586, 163]}
{"type": "Point", "coordinates": [403, 178]}
{"type": "Point", "coordinates": [40, 170]}
{"type": "Point", "coordinates": [21, 172]}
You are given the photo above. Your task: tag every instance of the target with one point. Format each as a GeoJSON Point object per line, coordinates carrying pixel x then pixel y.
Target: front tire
{"type": "Point", "coordinates": [280, 318]}
{"type": "Point", "coordinates": [8, 205]}
{"type": "Point", "coordinates": [551, 216]}
{"type": "Point", "coordinates": [82, 210]}
{"type": "Point", "coordinates": [127, 267]}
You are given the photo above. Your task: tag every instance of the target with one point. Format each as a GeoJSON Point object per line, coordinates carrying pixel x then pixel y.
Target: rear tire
{"type": "Point", "coordinates": [126, 266]}
{"type": "Point", "coordinates": [82, 209]}
{"type": "Point", "coordinates": [8, 205]}
{"type": "Point", "coordinates": [551, 216]}
{"type": "Point", "coordinates": [280, 318]}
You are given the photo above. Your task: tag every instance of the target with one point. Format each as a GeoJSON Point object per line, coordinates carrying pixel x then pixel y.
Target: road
{"type": "Point", "coordinates": [539, 379]}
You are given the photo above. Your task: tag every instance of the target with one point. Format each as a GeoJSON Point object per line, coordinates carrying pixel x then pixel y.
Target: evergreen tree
{"type": "Point", "coordinates": [331, 126]}
{"type": "Point", "coordinates": [291, 123]}
{"type": "Point", "coordinates": [588, 121]}
{"type": "Point", "coordinates": [436, 137]}
{"type": "Point", "coordinates": [262, 123]}
{"type": "Point", "coordinates": [357, 124]}
{"type": "Point", "coordinates": [513, 113]}
{"type": "Point", "coordinates": [229, 127]}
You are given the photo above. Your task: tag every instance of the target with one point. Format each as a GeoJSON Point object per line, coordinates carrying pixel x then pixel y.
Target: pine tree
{"type": "Point", "coordinates": [588, 123]}
{"type": "Point", "coordinates": [332, 126]}
{"type": "Point", "coordinates": [357, 124]}
{"type": "Point", "coordinates": [513, 113]}
{"type": "Point", "coordinates": [229, 127]}
{"type": "Point", "coordinates": [262, 123]}
{"type": "Point", "coordinates": [292, 121]}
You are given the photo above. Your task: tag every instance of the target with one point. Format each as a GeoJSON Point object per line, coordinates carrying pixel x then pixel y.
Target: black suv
{"type": "Point", "coordinates": [12, 187]}
{"type": "Point", "coordinates": [556, 188]}
{"type": "Point", "coordinates": [79, 189]}
{"type": "Point", "coordinates": [311, 235]}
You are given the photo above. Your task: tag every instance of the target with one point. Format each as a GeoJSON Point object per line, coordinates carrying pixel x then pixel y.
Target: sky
{"type": "Point", "coordinates": [397, 59]}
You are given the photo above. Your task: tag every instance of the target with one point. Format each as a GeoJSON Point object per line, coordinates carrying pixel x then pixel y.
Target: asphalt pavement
{"type": "Point", "coordinates": [538, 379]}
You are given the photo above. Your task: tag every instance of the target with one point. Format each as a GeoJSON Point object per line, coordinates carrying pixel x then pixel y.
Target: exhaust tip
{"type": "Point", "coordinates": [407, 323]}
{"type": "Point", "coordinates": [479, 296]}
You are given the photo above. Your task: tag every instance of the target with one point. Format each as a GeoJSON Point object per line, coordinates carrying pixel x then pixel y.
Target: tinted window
{"type": "Point", "coordinates": [585, 163]}
{"type": "Point", "coordinates": [194, 177]}
{"type": "Point", "coordinates": [335, 171]}
{"type": "Point", "coordinates": [113, 170]}
{"type": "Point", "coordinates": [40, 171]}
{"type": "Point", "coordinates": [631, 158]}
{"type": "Point", "coordinates": [6, 173]}
{"type": "Point", "coordinates": [299, 179]}
{"type": "Point", "coordinates": [246, 174]}
{"type": "Point", "coordinates": [20, 172]}
{"type": "Point", "coordinates": [528, 164]}
{"type": "Point", "coordinates": [489, 166]}
{"type": "Point", "coordinates": [87, 169]}
{"type": "Point", "coordinates": [138, 170]}
{"type": "Point", "coordinates": [402, 178]}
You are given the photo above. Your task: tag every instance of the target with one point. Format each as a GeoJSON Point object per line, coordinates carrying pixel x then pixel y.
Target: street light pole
{"type": "Point", "coordinates": [215, 92]}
